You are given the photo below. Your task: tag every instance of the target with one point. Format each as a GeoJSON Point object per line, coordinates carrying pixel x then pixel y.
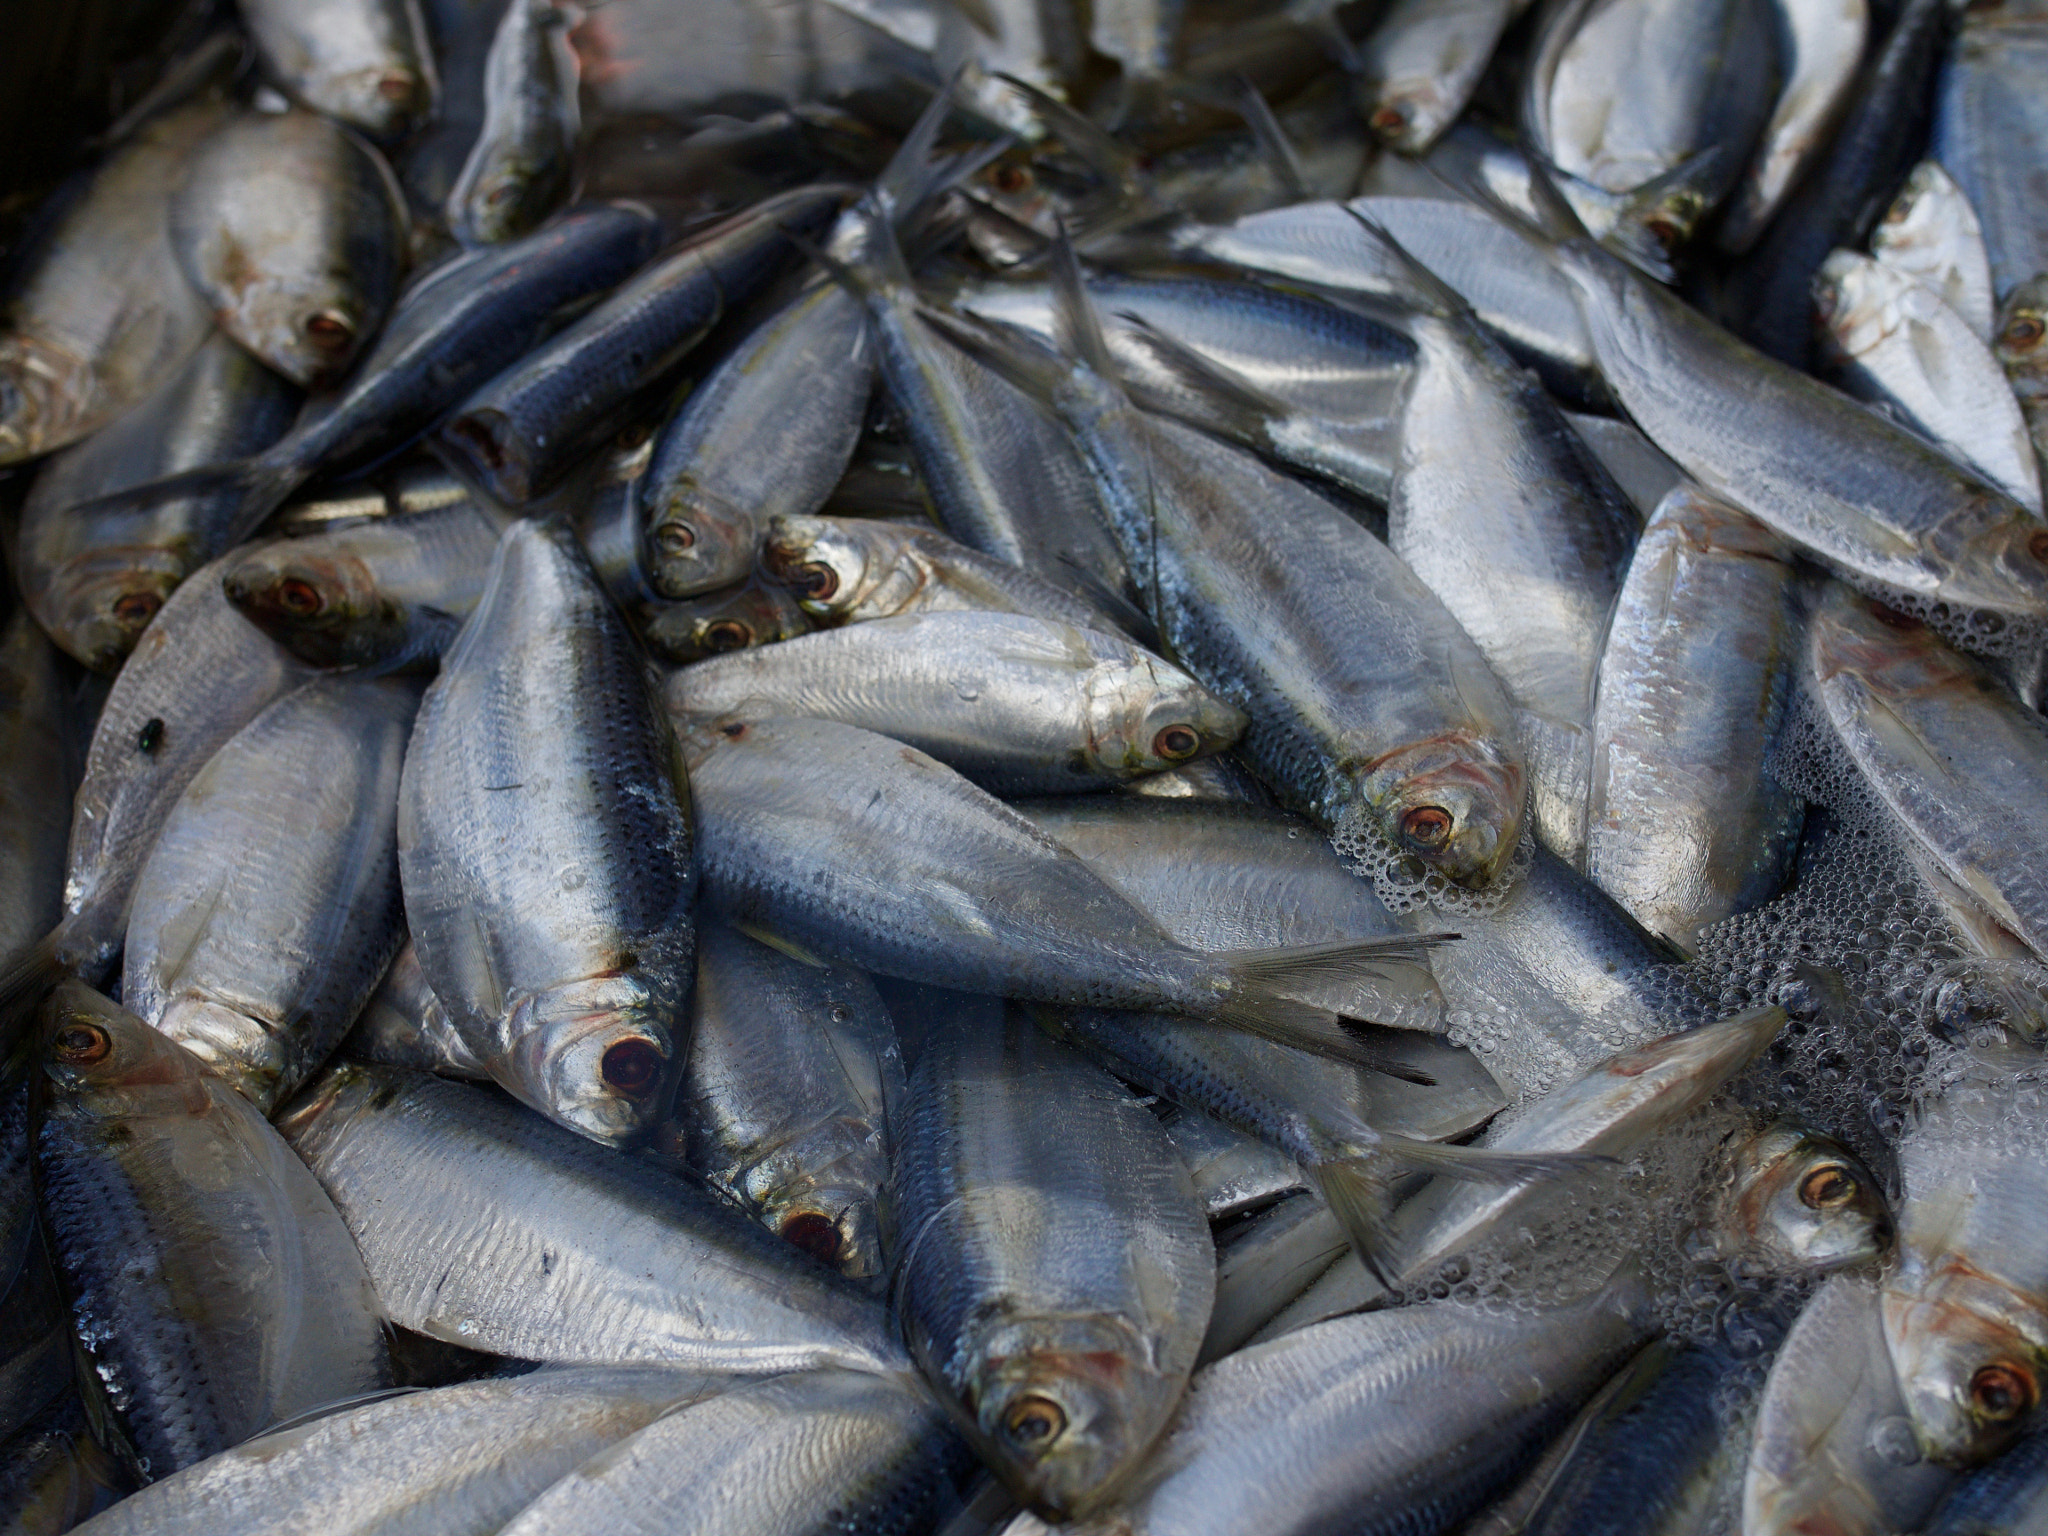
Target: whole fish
{"type": "Point", "coordinates": [258, 965]}
{"type": "Point", "coordinates": [825, 1451]}
{"type": "Point", "coordinates": [295, 233]}
{"type": "Point", "coordinates": [404, 1025]}
{"type": "Point", "coordinates": [519, 169]}
{"type": "Point", "coordinates": [782, 1104]}
{"type": "Point", "coordinates": [383, 592]}
{"type": "Point", "coordinates": [1056, 1273]}
{"type": "Point", "coordinates": [1990, 129]}
{"type": "Point", "coordinates": [365, 62]}
{"type": "Point", "coordinates": [465, 1458]}
{"type": "Point", "coordinates": [1832, 1449]}
{"type": "Point", "coordinates": [99, 315]}
{"type": "Point", "coordinates": [1421, 64]}
{"type": "Point", "coordinates": [520, 432]}
{"type": "Point", "coordinates": [1966, 1307]}
{"type": "Point", "coordinates": [1902, 346]}
{"type": "Point", "coordinates": [846, 571]}
{"type": "Point", "coordinates": [1943, 746]}
{"type": "Point", "coordinates": [844, 845]}
{"type": "Point", "coordinates": [452, 1190]}
{"type": "Point", "coordinates": [1016, 704]}
{"type": "Point", "coordinates": [1685, 824]}
{"type": "Point", "coordinates": [1931, 234]}
{"type": "Point", "coordinates": [545, 849]}
{"type": "Point", "coordinates": [1868, 498]}
{"type": "Point", "coordinates": [1823, 43]}
{"type": "Point", "coordinates": [733, 619]}
{"type": "Point", "coordinates": [214, 1291]}
{"type": "Point", "coordinates": [801, 379]}
{"type": "Point", "coordinates": [37, 771]}
{"type": "Point", "coordinates": [95, 580]}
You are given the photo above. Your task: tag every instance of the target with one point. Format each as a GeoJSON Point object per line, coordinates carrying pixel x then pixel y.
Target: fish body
{"type": "Point", "coordinates": [1824, 42]}
{"type": "Point", "coordinates": [520, 167]}
{"type": "Point", "coordinates": [404, 1025]}
{"type": "Point", "coordinates": [544, 845]}
{"type": "Point", "coordinates": [1990, 129]}
{"type": "Point", "coordinates": [1421, 64]}
{"type": "Point", "coordinates": [1932, 234]}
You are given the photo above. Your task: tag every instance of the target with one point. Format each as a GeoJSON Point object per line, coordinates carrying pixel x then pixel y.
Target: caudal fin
{"type": "Point", "coordinates": [1287, 994]}
{"type": "Point", "coordinates": [249, 489]}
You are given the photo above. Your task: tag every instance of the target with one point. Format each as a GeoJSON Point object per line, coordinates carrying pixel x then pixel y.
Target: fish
{"type": "Point", "coordinates": [212, 1286]}
{"type": "Point", "coordinates": [450, 1189]}
{"type": "Point", "coordinates": [562, 949]}
{"type": "Point", "coordinates": [1901, 346]}
{"type": "Point", "coordinates": [521, 430]}
{"type": "Point", "coordinates": [2002, 1498]}
{"type": "Point", "coordinates": [846, 846]}
{"type": "Point", "coordinates": [94, 581]}
{"type": "Point", "coordinates": [295, 233]}
{"type": "Point", "coordinates": [258, 966]}
{"type": "Point", "coordinates": [385, 592]}
{"type": "Point", "coordinates": [1988, 130]}
{"type": "Point", "coordinates": [782, 1105]}
{"type": "Point", "coordinates": [1233, 1174]}
{"type": "Point", "coordinates": [1685, 823]}
{"type": "Point", "coordinates": [1638, 465]}
{"type": "Point", "coordinates": [874, 1453]}
{"type": "Point", "coordinates": [53, 1475]}
{"type": "Point", "coordinates": [469, 1456]}
{"type": "Point", "coordinates": [99, 315]}
{"type": "Point", "coordinates": [753, 613]}
{"type": "Point", "coordinates": [519, 169]}
{"type": "Point", "coordinates": [1932, 234]}
{"type": "Point", "coordinates": [37, 1352]}
{"type": "Point", "coordinates": [1421, 62]}
{"type": "Point", "coordinates": [38, 770]}
{"type": "Point", "coordinates": [1056, 1272]}
{"type": "Point", "coordinates": [367, 63]}
{"type": "Point", "coordinates": [2021, 327]}
{"type": "Point", "coordinates": [1910, 712]}
{"type": "Point", "coordinates": [1016, 704]}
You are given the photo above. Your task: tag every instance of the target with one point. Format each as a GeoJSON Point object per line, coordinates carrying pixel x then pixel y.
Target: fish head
{"type": "Point", "coordinates": [387, 99]}
{"type": "Point", "coordinates": [1452, 802]}
{"type": "Point", "coordinates": [237, 1047]}
{"type": "Point", "coordinates": [836, 568]}
{"type": "Point", "coordinates": [1853, 304]}
{"type": "Point", "coordinates": [100, 601]}
{"type": "Point", "coordinates": [1410, 113]}
{"type": "Point", "coordinates": [308, 327]}
{"type": "Point", "coordinates": [1146, 715]}
{"type": "Point", "coordinates": [1802, 1203]}
{"type": "Point", "coordinates": [1065, 1408]}
{"type": "Point", "coordinates": [837, 1225]}
{"type": "Point", "coordinates": [695, 541]}
{"type": "Point", "coordinates": [756, 614]}
{"type": "Point", "coordinates": [597, 1054]}
{"type": "Point", "coordinates": [2020, 339]}
{"type": "Point", "coordinates": [97, 1052]}
{"type": "Point", "coordinates": [320, 602]}
{"type": "Point", "coordinates": [508, 195]}
{"type": "Point", "coordinates": [1969, 1369]}
{"type": "Point", "coordinates": [1995, 555]}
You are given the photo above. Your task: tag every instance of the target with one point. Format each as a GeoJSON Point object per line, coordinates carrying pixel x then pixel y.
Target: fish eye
{"type": "Point", "coordinates": [1389, 119]}
{"type": "Point", "coordinates": [2037, 546]}
{"type": "Point", "coordinates": [1429, 825]}
{"type": "Point", "coordinates": [1663, 231]}
{"type": "Point", "coordinates": [329, 331]}
{"type": "Point", "coordinates": [2023, 332]}
{"type": "Point", "coordinates": [675, 538]}
{"type": "Point", "coordinates": [136, 608]}
{"type": "Point", "coordinates": [1012, 178]}
{"type": "Point", "coordinates": [1033, 1422]}
{"type": "Point", "coordinates": [299, 597]}
{"type": "Point", "coordinates": [632, 1066]}
{"type": "Point", "coordinates": [727, 635]}
{"type": "Point", "coordinates": [816, 1234]}
{"type": "Point", "coordinates": [2002, 1391]}
{"type": "Point", "coordinates": [1176, 743]}
{"type": "Point", "coordinates": [1827, 1187]}
{"type": "Point", "coordinates": [814, 579]}
{"type": "Point", "coordinates": [82, 1045]}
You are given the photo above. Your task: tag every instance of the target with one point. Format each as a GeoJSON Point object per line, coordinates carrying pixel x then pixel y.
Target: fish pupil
{"type": "Point", "coordinates": [1176, 741]}
{"type": "Point", "coordinates": [2002, 1391]}
{"type": "Point", "coordinates": [1032, 1421]}
{"type": "Point", "coordinates": [82, 1044]}
{"type": "Point", "coordinates": [632, 1066]}
{"type": "Point", "coordinates": [1827, 1187]}
{"type": "Point", "coordinates": [727, 635]}
{"type": "Point", "coordinates": [136, 607]}
{"type": "Point", "coordinates": [813, 1232]}
{"type": "Point", "coordinates": [1429, 825]}
{"type": "Point", "coordinates": [815, 580]}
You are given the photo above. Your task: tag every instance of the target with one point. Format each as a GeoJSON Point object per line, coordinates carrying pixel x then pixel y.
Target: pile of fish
{"type": "Point", "coordinates": [1152, 768]}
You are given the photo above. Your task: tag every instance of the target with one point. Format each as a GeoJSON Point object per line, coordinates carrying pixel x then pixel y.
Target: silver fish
{"type": "Point", "coordinates": [545, 851]}
{"type": "Point", "coordinates": [2008, 1497]}
{"type": "Point", "coordinates": [519, 168]}
{"type": "Point", "coordinates": [732, 619]}
{"type": "Point", "coordinates": [452, 1190]}
{"type": "Point", "coordinates": [259, 964]}
{"type": "Point", "coordinates": [2022, 326]}
{"type": "Point", "coordinates": [365, 62]}
{"type": "Point", "coordinates": [1798, 1202]}
{"type": "Point", "coordinates": [1911, 713]}
{"type": "Point", "coordinates": [1685, 824]}
{"type": "Point", "coordinates": [1900, 345]}
{"type": "Point", "coordinates": [825, 1450]}
{"type": "Point", "coordinates": [463, 1458]}
{"type": "Point", "coordinates": [37, 772]}
{"type": "Point", "coordinates": [1056, 1273]}
{"type": "Point", "coordinates": [782, 1102]}
{"type": "Point", "coordinates": [1638, 465]}
{"type": "Point", "coordinates": [1232, 1173]}
{"type": "Point", "coordinates": [295, 233]}
{"type": "Point", "coordinates": [214, 1290]}
{"type": "Point", "coordinates": [1016, 704]}
{"type": "Point", "coordinates": [1931, 234]}
{"type": "Point", "coordinates": [1422, 62]}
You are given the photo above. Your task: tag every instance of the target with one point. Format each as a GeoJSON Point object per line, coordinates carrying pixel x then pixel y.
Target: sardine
{"type": "Point", "coordinates": [1685, 823]}
{"type": "Point", "coordinates": [214, 1290]}
{"type": "Point", "coordinates": [733, 619]}
{"type": "Point", "coordinates": [1056, 1273]}
{"type": "Point", "coordinates": [366, 62]}
{"type": "Point", "coordinates": [519, 168]}
{"type": "Point", "coordinates": [1016, 704]}
{"type": "Point", "coordinates": [2006, 1497]}
{"type": "Point", "coordinates": [1638, 465]}
{"type": "Point", "coordinates": [1796, 1202]}
{"type": "Point", "coordinates": [545, 850]}
{"type": "Point", "coordinates": [259, 964]}
{"type": "Point", "coordinates": [1931, 234]}
{"type": "Point", "coordinates": [1421, 64]}
{"type": "Point", "coordinates": [295, 233]}
{"type": "Point", "coordinates": [452, 1191]}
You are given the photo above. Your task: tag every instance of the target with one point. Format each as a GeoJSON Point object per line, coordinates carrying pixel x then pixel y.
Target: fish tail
{"type": "Point", "coordinates": [915, 174]}
{"type": "Point", "coordinates": [1358, 1193]}
{"type": "Point", "coordinates": [1417, 289]}
{"type": "Point", "coordinates": [255, 487]}
{"type": "Point", "coordinates": [1271, 992]}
